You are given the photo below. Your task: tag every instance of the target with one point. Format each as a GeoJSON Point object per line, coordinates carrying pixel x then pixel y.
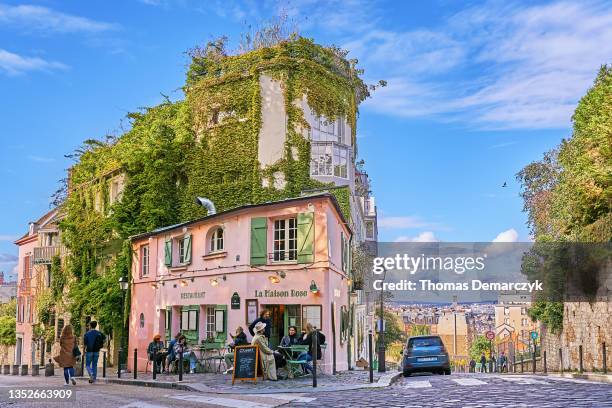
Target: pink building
{"type": "Point", "coordinates": [206, 277]}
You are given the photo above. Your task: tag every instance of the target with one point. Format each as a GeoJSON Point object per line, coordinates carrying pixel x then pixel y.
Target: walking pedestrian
{"type": "Point", "coordinates": [472, 366]}
{"type": "Point", "coordinates": [493, 363]}
{"type": "Point", "coordinates": [67, 355]}
{"type": "Point", "coordinates": [264, 317]}
{"type": "Point", "coordinates": [483, 363]}
{"type": "Point", "coordinates": [93, 341]}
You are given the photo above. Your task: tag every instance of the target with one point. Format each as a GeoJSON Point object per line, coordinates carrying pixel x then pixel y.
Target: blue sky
{"type": "Point", "coordinates": [476, 91]}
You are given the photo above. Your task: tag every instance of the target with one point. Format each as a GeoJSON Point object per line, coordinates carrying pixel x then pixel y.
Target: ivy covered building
{"type": "Point", "coordinates": [265, 125]}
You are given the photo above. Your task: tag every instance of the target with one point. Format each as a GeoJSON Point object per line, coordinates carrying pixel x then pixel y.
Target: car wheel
{"type": "Point", "coordinates": [406, 373]}
{"type": "Point", "coordinates": [447, 372]}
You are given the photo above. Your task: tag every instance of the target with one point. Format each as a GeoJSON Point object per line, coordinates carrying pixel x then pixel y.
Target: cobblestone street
{"type": "Point", "coordinates": [474, 391]}
{"type": "Point", "coordinates": [418, 391]}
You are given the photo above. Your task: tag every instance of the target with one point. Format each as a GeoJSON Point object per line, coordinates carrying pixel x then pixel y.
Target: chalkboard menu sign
{"type": "Point", "coordinates": [246, 359]}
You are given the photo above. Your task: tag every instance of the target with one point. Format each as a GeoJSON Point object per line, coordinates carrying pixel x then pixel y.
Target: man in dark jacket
{"type": "Point", "coordinates": [290, 339]}
{"type": "Point", "coordinates": [93, 341]}
{"type": "Point", "coordinates": [240, 339]}
{"type": "Point", "coordinates": [264, 316]}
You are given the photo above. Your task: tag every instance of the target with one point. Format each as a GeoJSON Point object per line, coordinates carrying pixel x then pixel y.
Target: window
{"type": "Point", "coordinates": [321, 160]}
{"type": "Point", "coordinates": [189, 320]}
{"type": "Point", "coordinates": [60, 327]}
{"type": "Point", "coordinates": [340, 161]}
{"type": "Point", "coordinates": [285, 239]}
{"type": "Point", "coordinates": [144, 260]}
{"type": "Point", "coordinates": [312, 315]}
{"type": "Point", "coordinates": [327, 159]}
{"type": "Point", "coordinates": [507, 320]}
{"type": "Point", "coordinates": [369, 225]}
{"type": "Point", "coordinates": [142, 320]}
{"type": "Point", "coordinates": [523, 310]}
{"type": "Point", "coordinates": [182, 248]}
{"type": "Point", "coordinates": [506, 311]}
{"type": "Point", "coordinates": [210, 322]}
{"type": "Point", "coordinates": [523, 322]}
{"type": "Point", "coordinates": [324, 130]}
{"type": "Point", "coordinates": [216, 240]}
{"type": "Point", "coordinates": [116, 189]}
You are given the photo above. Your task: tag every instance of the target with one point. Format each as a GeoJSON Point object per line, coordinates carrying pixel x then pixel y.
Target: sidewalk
{"type": "Point", "coordinates": [222, 384]}
{"type": "Point", "coordinates": [597, 377]}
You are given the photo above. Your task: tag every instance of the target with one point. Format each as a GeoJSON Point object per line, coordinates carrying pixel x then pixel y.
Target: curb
{"type": "Point", "coordinates": [384, 381]}
{"type": "Point", "coordinates": [600, 378]}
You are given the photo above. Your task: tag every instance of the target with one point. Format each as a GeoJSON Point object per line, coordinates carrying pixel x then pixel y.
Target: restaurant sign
{"type": "Point", "coordinates": [192, 295]}
{"type": "Point", "coordinates": [280, 293]}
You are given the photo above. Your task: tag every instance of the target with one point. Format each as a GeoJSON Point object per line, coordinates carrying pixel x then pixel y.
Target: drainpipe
{"type": "Point", "coordinates": [206, 203]}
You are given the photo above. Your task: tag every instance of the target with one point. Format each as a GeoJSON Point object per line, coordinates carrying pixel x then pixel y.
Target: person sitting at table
{"type": "Point", "coordinates": [306, 340]}
{"type": "Point", "coordinates": [264, 317]}
{"type": "Point", "coordinates": [240, 339]}
{"type": "Point", "coordinates": [156, 347]}
{"type": "Point", "coordinates": [266, 353]}
{"type": "Point", "coordinates": [181, 347]}
{"type": "Point", "coordinates": [291, 339]}
{"type": "Point", "coordinates": [171, 356]}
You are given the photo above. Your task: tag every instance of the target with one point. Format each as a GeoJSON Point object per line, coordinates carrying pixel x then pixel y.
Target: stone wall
{"type": "Point", "coordinates": [586, 324]}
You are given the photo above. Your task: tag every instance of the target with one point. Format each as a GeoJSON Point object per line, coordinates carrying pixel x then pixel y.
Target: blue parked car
{"type": "Point", "coordinates": [425, 354]}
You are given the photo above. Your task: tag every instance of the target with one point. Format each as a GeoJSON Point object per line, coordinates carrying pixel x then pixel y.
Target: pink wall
{"type": "Point", "coordinates": [240, 276]}
{"type": "Point", "coordinates": [24, 328]}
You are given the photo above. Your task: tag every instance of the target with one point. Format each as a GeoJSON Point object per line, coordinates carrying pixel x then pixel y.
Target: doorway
{"type": "Point", "coordinates": [18, 350]}
{"type": "Point", "coordinates": [282, 317]}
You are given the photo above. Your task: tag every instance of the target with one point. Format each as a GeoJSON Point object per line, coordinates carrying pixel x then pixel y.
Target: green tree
{"type": "Point", "coordinates": [7, 323]}
{"type": "Point", "coordinates": [393, 328]}
{"type": "Point", "coordinates": [480, 345]}
{"type": "Point", "coordinates": [419, 330]}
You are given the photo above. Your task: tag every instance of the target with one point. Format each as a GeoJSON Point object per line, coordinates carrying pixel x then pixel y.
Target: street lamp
{"type": "Point", "coordinates": [123, 285]}
{"type": "Point", "coordinates": [381, 338]}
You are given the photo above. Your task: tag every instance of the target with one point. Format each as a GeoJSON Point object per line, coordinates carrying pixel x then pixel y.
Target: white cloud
{"type": "Point", "coordinates": [8, 258]}
{"type": "Point", "coordinates": [14, 64]}
{"type": "Point", "coordinates": [495, 66]}
{"type": "Point", "coordinates": [44, 19]}
{"type": "Point", "coordinates": [403, 222]}
{"type": "Point", "coordinates": [507, 236]}
{"type": "Point", "coordinates": [426, 236]}
{"type": "Point", "coordinates": [7, 237]}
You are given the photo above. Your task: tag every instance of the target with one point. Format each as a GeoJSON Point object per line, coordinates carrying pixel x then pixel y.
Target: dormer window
{"type": "Point", "coordinates": [216, 240]}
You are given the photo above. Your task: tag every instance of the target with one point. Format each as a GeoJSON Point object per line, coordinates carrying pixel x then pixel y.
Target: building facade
{"type": "Point", "coordinates": [207, 277]}
{"type": "Point", "coordinates": [37, 248]}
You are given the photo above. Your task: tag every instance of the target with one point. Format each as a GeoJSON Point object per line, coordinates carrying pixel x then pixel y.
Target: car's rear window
{"type": "Point", "coordinates": [424, 342]}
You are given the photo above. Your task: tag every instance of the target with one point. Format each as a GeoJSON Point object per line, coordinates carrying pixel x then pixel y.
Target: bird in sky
{"type": "Point", "coordinates": [505, 184]}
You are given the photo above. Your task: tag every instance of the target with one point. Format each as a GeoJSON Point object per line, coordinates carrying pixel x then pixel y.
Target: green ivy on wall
{"type": "Point", "coordinates": [205, 145]}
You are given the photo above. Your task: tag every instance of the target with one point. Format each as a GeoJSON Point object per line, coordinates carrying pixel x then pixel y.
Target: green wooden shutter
{"type": "Point", "coordinates": [305, 237]}
{"type": "Point", "coordinates": [168, 253]}
{"type": "Point", "coordinates": [259, 237]}
{"type": "Point", "coordinates": [222, 337]}
{"type": "Point", "coordinates": [187, 249]}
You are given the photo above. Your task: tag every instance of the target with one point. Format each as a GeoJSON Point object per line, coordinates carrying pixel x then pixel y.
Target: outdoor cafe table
{"type": "Point", "coordinates": [215, 351]}
{"type": "Point", "coordinates": [291, 353]}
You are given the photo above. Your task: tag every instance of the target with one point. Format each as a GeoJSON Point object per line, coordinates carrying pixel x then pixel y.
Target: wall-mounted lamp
{"type": "Point", "coordinates": [313, 288]}
{"type": "Point", "coordinates": [183, 282]}
{"type": "Point", "coordinates": [214, 282]}
{"type": "Point", "coordinates": [154, 285]}
{"type": "Point", "coordinates": [276, 278]}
